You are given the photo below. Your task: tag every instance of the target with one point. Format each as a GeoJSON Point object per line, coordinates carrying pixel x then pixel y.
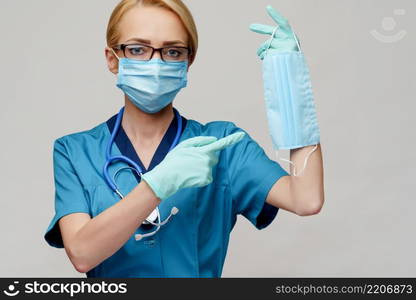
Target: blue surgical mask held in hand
{"type": "Point", "coordinates": [287, 88]}
{"type": "Point", "coordinates": [151, 85]}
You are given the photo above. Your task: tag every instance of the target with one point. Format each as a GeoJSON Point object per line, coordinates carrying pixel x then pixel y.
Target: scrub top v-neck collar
{"type": "Point", "coordinates": [126, 147]}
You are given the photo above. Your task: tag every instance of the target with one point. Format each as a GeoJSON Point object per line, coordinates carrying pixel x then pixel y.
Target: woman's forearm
{"type": "Point", "coordinates": [308, 187]}
{"type": "Point", "coordinates": [106, 233]}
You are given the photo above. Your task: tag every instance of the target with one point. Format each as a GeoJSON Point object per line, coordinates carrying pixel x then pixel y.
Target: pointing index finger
{"type": "Point", "coordinates": [224, 142]}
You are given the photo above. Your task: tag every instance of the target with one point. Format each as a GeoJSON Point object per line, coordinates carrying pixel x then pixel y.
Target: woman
{"type": "Point", "coordinates": [196, 178]}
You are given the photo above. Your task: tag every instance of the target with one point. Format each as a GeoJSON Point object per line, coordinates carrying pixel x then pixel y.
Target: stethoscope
{"type": "Point", "coordinates": [155, 215]}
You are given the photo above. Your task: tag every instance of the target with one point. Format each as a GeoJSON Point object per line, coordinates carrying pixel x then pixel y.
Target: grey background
{"type": "Point", "coordinates": [54, 81]}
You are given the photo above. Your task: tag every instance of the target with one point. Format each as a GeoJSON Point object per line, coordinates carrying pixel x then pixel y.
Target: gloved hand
{"type": "Point", "coordinates": [284, 39]}
{"type": "Point", "coordinates": [189, 164]}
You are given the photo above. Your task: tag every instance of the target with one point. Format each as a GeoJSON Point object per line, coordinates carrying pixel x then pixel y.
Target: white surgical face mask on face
{"type": "Point", "coordinates": [151, 85]}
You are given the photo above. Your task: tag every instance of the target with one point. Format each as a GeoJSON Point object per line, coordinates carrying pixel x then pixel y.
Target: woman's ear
{"type": "Point", "coordinates": [190, 62]}
{"type": "Point", "coordinates": [112, 60]}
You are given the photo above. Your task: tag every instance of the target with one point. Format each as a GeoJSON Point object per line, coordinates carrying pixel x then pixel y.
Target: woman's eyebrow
{"type": "Point", "coordinates": [139, 40]}
{"type": "Point", "coordinates": [169, 43]}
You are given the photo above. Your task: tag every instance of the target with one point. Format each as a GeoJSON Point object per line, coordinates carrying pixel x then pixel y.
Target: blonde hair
{"type": "Point", "coordinates": [176, 6]}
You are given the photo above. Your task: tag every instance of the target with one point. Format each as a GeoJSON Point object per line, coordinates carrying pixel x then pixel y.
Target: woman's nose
{"type": "Point", "coordinates": [157, 54]}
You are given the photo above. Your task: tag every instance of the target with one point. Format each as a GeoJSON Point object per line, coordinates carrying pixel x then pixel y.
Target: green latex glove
{"type": "Point", "coordinates": [189, 164]}
{"type": "Point", "coordinates": [284, 39]}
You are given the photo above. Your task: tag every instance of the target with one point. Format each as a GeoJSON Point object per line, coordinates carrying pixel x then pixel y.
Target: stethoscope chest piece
{"type": "Point", "coordinates": [152, 217]}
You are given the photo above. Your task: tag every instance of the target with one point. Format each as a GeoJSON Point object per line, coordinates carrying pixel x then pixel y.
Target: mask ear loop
{"type": "Point", "coordinates": [294, 167]}
{"type": "Point", "coordinates": [271, 39]}
{"type": "Point", "coordinates": [274, 34]}
{"type": "Point", "coordinates": [115, 53]}
{"type": "Point", "coordinates": [297, 42]}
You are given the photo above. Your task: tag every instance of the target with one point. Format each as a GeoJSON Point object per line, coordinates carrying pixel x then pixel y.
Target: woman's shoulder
{"type": "Point", "coordinates": [215, 128]}
{"type": "Point", "coordinates": [95, 133]}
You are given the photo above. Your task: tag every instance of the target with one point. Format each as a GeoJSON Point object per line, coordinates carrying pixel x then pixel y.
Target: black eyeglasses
{"type": "Point", "coordinates": [146, 52]}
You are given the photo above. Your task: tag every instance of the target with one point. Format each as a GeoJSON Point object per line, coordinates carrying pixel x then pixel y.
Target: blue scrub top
{"type": "Point", "coordinates": [194, 242]}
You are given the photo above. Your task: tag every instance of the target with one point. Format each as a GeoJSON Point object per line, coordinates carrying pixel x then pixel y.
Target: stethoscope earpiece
{"type": "Point", "coordinates": [173, 212]}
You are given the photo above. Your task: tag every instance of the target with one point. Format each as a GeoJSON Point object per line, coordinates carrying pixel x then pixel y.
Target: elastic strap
{"type": "Point", "coordinates": [297, 41]}
{"type": "Point", "coordinates": [271, 39]}
{"type": "Point", "coordinates": [273, 35]}
{"type": "Point", "coordinates": [294, 167]}
{"type": "Point", "coordinates": [115, 53]}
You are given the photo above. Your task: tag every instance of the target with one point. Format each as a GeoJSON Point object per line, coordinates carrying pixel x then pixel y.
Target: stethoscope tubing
{"type": "Point", "coordinates": [111, 159]}
{"type": "Point", "coordinates": [111, 182]}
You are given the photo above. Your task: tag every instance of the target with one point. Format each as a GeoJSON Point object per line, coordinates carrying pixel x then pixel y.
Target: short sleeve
{"type": "Point", "coordinates": [69, 193]}
{"type": "Point", "coordinates": [252, 174]}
